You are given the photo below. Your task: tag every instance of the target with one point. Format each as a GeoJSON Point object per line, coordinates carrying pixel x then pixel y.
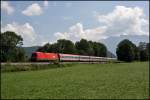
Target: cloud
{"type": "Point", "coordinates": [32, 10]}
{"type": "Point", "coordinates": [45, 42]}
{"type": "Point", "coordinates": [59, 35]}
{"type": "Point", "coordinates": [77, 32]}
{"type": "Point", "coordinates": [25, 30]}
{"type": "Point", "coordinates": [7, 7]}
{"type": "Point", "coordinates": [121, 21]}
{"type": "Point", "coordinates": [125, 21]}
{"type": "Point", "coordinates": [45, 3]}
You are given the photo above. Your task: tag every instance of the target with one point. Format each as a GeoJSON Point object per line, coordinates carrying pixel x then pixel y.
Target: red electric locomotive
{"type": "Point", "coordinates": [40, 56]}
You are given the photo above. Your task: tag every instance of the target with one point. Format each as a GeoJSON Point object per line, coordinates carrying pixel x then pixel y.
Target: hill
{"type": "Point", "coordinates": [29, 50]}
{"type": "Point", "coordinates": [110, 54]}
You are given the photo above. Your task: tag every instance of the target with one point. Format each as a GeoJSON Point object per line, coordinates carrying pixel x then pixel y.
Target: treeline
{"type": "Point", "coordinates": [82, 47]}
{"type": "Point", "coordinates": [12, 51]}
{"type": "Point", "coordinates": [128, 51]}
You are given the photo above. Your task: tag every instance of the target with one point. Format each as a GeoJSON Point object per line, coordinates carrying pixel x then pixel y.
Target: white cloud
{"type": "Point", "coordinates": [45, 3]}
{"type": "Point", "coordinates": [121, 21]}
{"type": "Point", "coordinates": [32, 10]}
{"type": "Point", "coordinates": [45, 42]}
{"type": "Point", "coordinates": [5, 5]}
{"type": "Point", "coordinates": [25, 30]}
{"type": "Point", "coordinates": [59, 35]}
{"type": "Point", "coordinates": [77, 32]}
{"type": "Point", "coordinates": [125, 20]}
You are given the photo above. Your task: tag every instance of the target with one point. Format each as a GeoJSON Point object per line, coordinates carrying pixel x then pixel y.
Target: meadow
{"type": "Point", "coordinates": [79, 81]}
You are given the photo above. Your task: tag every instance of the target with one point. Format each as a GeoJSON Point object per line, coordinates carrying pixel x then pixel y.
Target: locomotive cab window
{"type": "Point", "coordinates": [34, 55]}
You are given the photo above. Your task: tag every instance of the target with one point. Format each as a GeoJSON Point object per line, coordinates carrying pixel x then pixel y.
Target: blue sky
{"type": "Point", "coordinates": [74, 20]}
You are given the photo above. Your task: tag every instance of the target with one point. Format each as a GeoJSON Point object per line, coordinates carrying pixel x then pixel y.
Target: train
{"type": "Point", "coordinates": [60, 57]}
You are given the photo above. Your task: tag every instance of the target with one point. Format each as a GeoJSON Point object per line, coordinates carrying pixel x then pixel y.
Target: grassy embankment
{"type": "Point", "coordinates": [90, 81]}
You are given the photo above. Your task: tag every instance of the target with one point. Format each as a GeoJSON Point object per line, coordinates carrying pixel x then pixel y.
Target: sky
{"type": "Point", "coordinates": [39, 22]}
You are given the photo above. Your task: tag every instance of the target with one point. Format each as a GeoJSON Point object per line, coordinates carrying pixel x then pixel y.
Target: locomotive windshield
{"type": "Point", "coordinates": [33, 57]}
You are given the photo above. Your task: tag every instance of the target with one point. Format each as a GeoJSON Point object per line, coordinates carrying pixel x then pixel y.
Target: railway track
{"type": "Point", "coordinates": [27, 63]}
{"type": "Point", "coordinates": [45, 63]}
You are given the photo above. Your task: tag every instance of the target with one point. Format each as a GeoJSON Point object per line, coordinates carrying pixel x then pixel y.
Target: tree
{"type": "Point", "coordinates": [99, 49]}
{"type": "Point", "coordinates": [83, 47]}
{"type": "Point", "coordinates": [90, 50]}
{"type": "Point", "coordinates": [18, 54]}
{"type": "Point", "coordinates": [147, 50]}
{"type": "Point", "coordinates": [62, 46]}
{"type": "Point", "coordinates": [144, 51]}
{"type": "Point", "coordinates": [136, 52]}
{"type": "Point", "coordinates": [102, 50]}
{"type": "Point", "coordinates": [11, 47]}
{"type": "Point", "coordinates": [125, 51]}
{"type": "Point", "coordinates": [143, 55]}
{"type": "Point", "coordinates": [142, 45]}
{"type": "Point", "coordinates": [45, 48]}
{"type": "Point", "coordinates": [65, 46]}
{"type": "Point", "coordinates": [54, 48]}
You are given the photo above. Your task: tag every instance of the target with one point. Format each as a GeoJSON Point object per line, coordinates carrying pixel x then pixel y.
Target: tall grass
{"type": "Point", "coordinates": [15, 68]}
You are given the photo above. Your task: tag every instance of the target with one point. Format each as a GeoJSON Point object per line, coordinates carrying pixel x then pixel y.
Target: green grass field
{"type": "Point", "coordinates": [88, 81]}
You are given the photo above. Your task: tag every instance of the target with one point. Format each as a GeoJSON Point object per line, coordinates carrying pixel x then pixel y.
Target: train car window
{"type": "Point", "coordinates": [74, 57]}
{"type": "Point", "coordinates": [63, 56]}
{"type": "Point", "coordinates": [84, 57]}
